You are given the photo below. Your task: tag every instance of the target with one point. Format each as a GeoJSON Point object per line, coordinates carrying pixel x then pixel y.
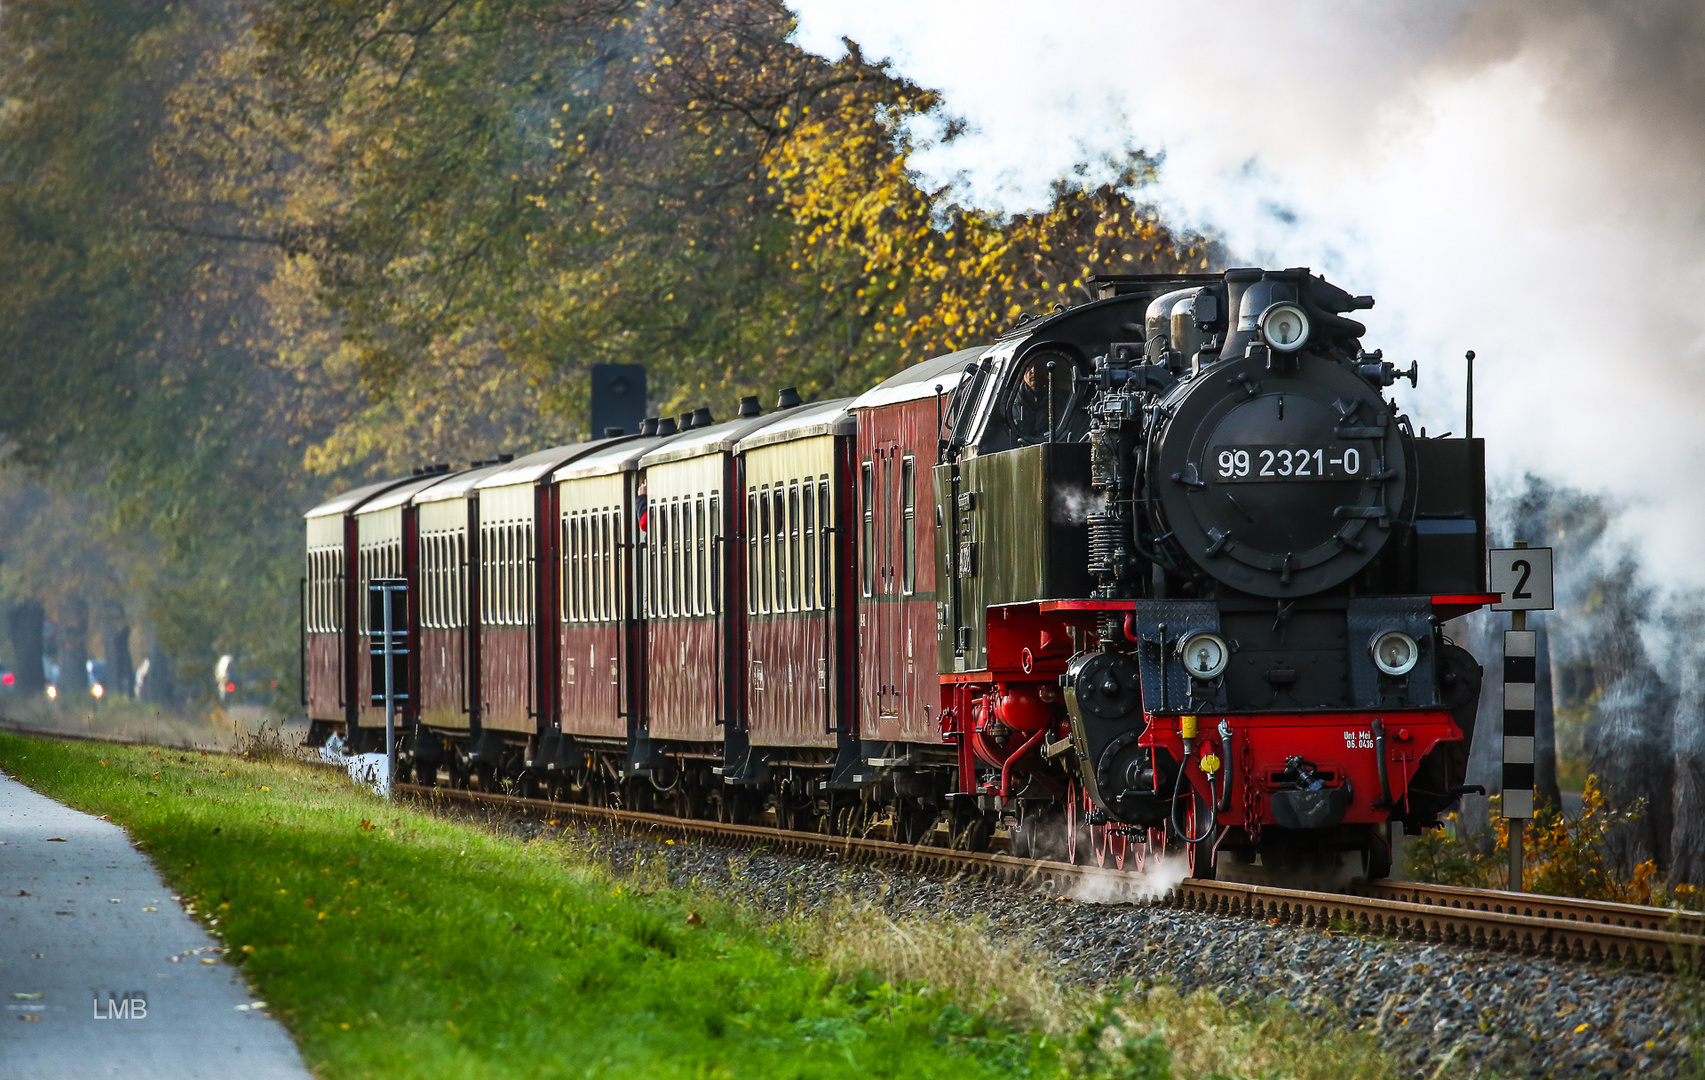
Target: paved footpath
{"type": "Point", "coordinates": [87, 936]}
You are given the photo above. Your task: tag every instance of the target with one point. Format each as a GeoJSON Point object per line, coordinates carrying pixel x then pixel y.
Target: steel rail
{"type": "Point", "coordinates": [1560, 927]}
{"type": "Point", "coordinates": [1635, 916]}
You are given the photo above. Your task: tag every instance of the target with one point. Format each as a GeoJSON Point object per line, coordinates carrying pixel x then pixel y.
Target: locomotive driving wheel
{"type": "Point", "coordinates": [1106, 839]}
{"type": "Point", "coordinates": [1073, 791]}
{"type": "Point", "coordinates": [1199, 855]}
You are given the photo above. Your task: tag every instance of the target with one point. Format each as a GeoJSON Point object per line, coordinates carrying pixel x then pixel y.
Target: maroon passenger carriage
{"type": "Point", "coordinates": [798, 603]}
{"type": "Point", "coordinates": [447, 591]}
{"type": "Point", "coordinates": [385, 547]}
{"type": "Point", "coordinates": [517, 593]}
{"type": "Point", "coordinates": [601, 688]}
{"type": "Point", "coordinates": [694, 577]}
{"type": "Point", "coordinates": [331, 654]}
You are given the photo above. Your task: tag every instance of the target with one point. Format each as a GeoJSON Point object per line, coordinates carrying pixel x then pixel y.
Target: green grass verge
{"type": "Point", "coordinates": [394, 943]}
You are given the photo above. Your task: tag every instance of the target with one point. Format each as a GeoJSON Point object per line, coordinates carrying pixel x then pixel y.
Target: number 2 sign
{"type": "Point", "coordinates": [1522, 576]}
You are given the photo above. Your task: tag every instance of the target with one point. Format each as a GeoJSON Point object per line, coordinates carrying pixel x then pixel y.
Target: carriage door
{"type": "Point", "coordinates": [889, 633]}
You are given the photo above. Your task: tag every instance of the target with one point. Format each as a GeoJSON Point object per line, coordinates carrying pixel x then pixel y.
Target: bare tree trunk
{"type": "Point", "coordinates": [157, 686]}
{"type": "Point", "coordinates": [1687, 834]}
{"type": "Point", "coordinates": [1632, 755]}
{"type": "Point", "coordinates": [115, 634]}
{"type": "Point", "coordinates": [29, 668]}
{"type": "Point", "coordinates": [74, 650]}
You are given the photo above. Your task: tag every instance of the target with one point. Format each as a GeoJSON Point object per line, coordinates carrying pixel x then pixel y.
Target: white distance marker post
{"type": "Point", "coordinates": [1521, 576]}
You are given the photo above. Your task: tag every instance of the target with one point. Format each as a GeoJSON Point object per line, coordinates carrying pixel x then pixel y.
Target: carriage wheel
{"type": "Point", "coordinates": [914, 823]}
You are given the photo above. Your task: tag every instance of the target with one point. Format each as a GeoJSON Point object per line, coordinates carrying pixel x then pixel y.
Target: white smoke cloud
{"type": "Point", "coordinates": [1519, 177]}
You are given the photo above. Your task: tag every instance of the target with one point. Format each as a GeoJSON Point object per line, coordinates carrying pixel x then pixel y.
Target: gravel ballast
{"type": "Point", "coordinates": [1441, 1010]}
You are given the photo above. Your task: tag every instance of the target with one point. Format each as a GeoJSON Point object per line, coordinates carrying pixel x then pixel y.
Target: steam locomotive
{"type": "Point", "coordinates": [1179, 586]}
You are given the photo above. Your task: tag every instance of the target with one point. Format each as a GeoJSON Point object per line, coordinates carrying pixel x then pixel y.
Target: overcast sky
{"type": "Point", "coordinates": [1525, 178]}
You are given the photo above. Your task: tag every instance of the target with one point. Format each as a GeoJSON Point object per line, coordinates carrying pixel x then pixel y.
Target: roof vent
{"type": "Point", "coordinates": [504, 459]}
{"type": "Point", "coordinates": [749, 406]}
{"type": "Point", "coordinates": [613, 433]}
{"type": "Point", "coordinates": [788, 398]}
{"type": "Point", "coordinates": [417, 471]}
{"type": "Point", "coordinates": [666, 426]}
{"type": "Point", "coordinates": [648, 426]}
{"type": "Point", "coordinates": [702, 417]}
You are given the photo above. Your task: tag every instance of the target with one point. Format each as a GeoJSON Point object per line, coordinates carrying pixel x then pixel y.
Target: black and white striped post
{"type": "Point", "coordinates": [1521, 576]}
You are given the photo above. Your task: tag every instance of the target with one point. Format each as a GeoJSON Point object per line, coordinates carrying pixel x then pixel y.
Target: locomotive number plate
{"type": "Point", "coordinates": [1251, 464]}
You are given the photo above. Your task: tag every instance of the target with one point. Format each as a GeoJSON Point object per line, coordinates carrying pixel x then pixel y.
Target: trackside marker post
{"type": "Point", "coordinates": [1521, 576]}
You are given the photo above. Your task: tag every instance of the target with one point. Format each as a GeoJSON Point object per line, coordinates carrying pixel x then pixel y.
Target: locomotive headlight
{"type": "Point", "coordinates": [1204, 655]}
{"type": "Point", "coordinates": [1395, 652]}
{"type": "Point", "coordinates": [1284, 326]}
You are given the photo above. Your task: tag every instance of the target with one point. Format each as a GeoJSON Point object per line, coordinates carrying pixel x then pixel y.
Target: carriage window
{"type": "Point", "coordinates": [779, 496]}
{"type": "Point", "coordinates": [714, 538]}
{"type": "Point", "coordinates": [613, 542]}
{"type": "Point", "coordinates": [600, 568]}
{"type": "Point", "coordinates": [808, 558]}
{"type": "Point", "coordinates": [700, 554]}
{"type": "Point", "coordinates": [479, 554]}
{"type": "Point", "coordinates": [764, 575]}
{"type": "Point", "coordinates": [609, 548]}
{"type": "Point", "coordinates": [574, 600]}
{"type": "Point", "coordinates": [689, 564]}
{"type": "Point", "coordinates": [660, 557]}
{"type": "Point", "coordinates": [506, 609]}
{"type": "Point", "coordinates": [505, 576]}
{"type": "Point", "coordinates": [440, 580]}
{"type": "Point", "coordinates": [676, 607]}
{"type": "Point", "coordinates": [649, 537]}
{"type": "Point", "coordinates": [793, 542]}
{"type": "Point", "coordinates": [570, 569]}
{"type": "Point", "coordinates": [867, 496]}
{"type": "Point", "coordinates": [431, 582]}
{"type": "Point", "coordinates": [458, 581]}
{"type": "Point", "coordinates": [575, 556]}
{"type": "Point", "coordinates": [427, 582]}
{"type": "Point", "coordinates": [752, 551]}
{"type": "Point", "coordinates": [588, 540]}
{"type": "Point", "coordinates": [825, 542]}
{"type": "Point", "coordinates": [494, 554]}
{"type": "Point", "coordinates": [601, 540]}
{"type": "Point", "coordinates": [908, 527]}
{"type": "Point", "coordinates": [491, 551]}
{"type": "Point", "coordinates": [569, 611]}
{"type": "Point", "coordinates": [529, 577]}
{"type": "Point", "coordinates": [513, 609]}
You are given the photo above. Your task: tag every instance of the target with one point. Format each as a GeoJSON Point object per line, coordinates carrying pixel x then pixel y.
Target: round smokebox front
{"type": "Point", "coordinates": [1278, 484]}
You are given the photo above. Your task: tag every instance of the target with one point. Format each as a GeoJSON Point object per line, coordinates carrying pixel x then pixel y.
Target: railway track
{"type": "Point", "coordinates": [1559, 927]}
